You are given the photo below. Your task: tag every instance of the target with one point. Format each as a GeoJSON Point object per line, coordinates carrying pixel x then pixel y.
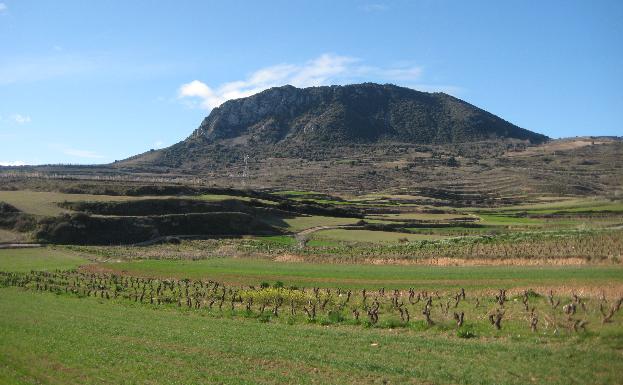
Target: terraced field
{"type": "Point", "coordinates": [45, 203]}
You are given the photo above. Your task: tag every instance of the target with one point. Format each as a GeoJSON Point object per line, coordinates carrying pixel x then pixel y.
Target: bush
{"type": "Point", "coordinates": [335, 316]}
{"type": "Point", "coordinates": [13, 219]}
{"type": "Point", "coordinates": [465, 333]}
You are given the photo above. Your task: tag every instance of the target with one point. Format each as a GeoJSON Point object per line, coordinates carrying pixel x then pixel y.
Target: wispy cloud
{"type": "Point", "coordinates": [59, 64]}
{"type": "Point", "coordinates": [323, 70]}
{"type": "Point", "coordinates": [3, 7]}
{"type": "Point", "coordinates": [374, 7]}
{"type": "Point", "coordinates": [12, 163]}
{"type": "Point", "coordinates": [30, 69]}
{"type": "Point", "coordinates": [82, 153]}
{"type": "Point", "coordinates": [20, 119]}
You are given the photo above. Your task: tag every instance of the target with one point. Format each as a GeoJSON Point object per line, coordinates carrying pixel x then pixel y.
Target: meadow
{"type": "Point", "coordinates": [92, 341]}
{"type": "Point", "coordinates": [255, 271]}
{"type": "Point", "coordinates": [41, 259]}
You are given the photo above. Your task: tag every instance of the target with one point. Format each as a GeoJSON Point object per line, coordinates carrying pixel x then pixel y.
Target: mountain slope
{"type": "Point", "coordinates": [362, 137]}
{"type": "Point", "coordinates": [354, 113]}
{"type": "Point", "coordinates": [319, 122]}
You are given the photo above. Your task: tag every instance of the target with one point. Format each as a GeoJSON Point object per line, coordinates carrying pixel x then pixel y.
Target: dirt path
{"type": "Point", "coordinates": [19, 245]}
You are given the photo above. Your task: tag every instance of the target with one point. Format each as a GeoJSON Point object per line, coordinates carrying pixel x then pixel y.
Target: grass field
{"type": "Point", "coordinates": [305, 222]}
{"type": "Point", "coordinates": [255, 271]}
{"type": "Point", "coordinates": [222, 197]}
{"type": "Point", "coordinates": [46, 203]}
{"type": "Point", "coordinates": [38, 259]}
{"type": "Point", "coordinates": [90, 341]}
{"type": "Point", "coordinates": [367, 236]}
{"type": "Point", "coordinates": [417, 216]}
{"type": "Point", "coordinates": [563, 204]}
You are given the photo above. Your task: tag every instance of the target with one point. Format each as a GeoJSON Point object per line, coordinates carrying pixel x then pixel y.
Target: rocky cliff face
{"type": "Point", "coordinates": [360, 113]}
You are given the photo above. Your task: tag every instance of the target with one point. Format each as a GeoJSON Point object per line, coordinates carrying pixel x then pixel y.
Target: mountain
{"type": "Point", "coordinates": [360, 113]}
{"type": "Point", "coordinates": [356, 138]}
{"type": "Point", "coordinates": [316, 122]}
{"type": "Point", "coordinates": [359, 139]}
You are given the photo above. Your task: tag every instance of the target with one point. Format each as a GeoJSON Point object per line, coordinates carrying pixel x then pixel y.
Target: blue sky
{"type": "Point", "coordinates": [94, 81]}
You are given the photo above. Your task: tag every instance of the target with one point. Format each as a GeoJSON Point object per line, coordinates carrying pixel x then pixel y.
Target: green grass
{"type": "Point", "coordinates": [369, 236]}
{"type": "Point", "coordinates": [497, 219]}
{"type": "Point", "coordinates": [222, 197]}
{"type": "Point", "coordinates": [280, 240]}
{"type": "Point", "coordinates": [416, 216]}
{"type": "Point", "coordinates": [570, 205]}
{"type": "Point", "coordinates": [46, 203]}
{"type": "Point", "coordinates": [306, 222]}
{"type": "Point", "coordinates": [295, 193]}
{"type": "Point", "coordinates": [254, 271]}
{"type": "Point", "coordinates": [38, 259]}
{"type": "Point", "coordinates": [91, 341]}
{"type": "Point", "coordinates": [456, 230]}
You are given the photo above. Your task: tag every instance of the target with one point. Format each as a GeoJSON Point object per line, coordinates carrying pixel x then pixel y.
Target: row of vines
{"type": "Point", "coordinates": [468, 313]}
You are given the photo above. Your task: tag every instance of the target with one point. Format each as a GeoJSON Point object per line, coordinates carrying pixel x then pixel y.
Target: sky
{"type": "Point", "coordinates": [85, 82]}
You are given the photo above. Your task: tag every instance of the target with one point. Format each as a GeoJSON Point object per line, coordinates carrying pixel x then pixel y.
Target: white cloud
{"type": "Point", "coordinates": [20, 119]}
{"type": "Point", "coordinates": [374, 7]}
{"type": "Point", "coordinates": [159, 144]}
{"type": "Point", "coordinates": [12, 163]}
{"type": "Point", "coordinates": [82, 153]}
{"type": "Point", "coordinates": [323, 70]}
{"type": "Point", "coordinates": [3, 7]}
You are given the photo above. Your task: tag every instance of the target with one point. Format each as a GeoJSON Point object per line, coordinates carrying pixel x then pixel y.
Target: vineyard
{"type": "Point", "coordinates": [547, 313]}
{"type": "Point", "coordinates": [558, 247]}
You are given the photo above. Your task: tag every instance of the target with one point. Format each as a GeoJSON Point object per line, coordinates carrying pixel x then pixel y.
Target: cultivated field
{"type": "Point", "coordinates": [373, 292]}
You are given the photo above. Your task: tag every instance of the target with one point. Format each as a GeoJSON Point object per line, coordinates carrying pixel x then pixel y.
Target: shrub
{"type": "Point", "coordinates": [335, 316]}
{"type": "Point", "coordinates": [465, 333]}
